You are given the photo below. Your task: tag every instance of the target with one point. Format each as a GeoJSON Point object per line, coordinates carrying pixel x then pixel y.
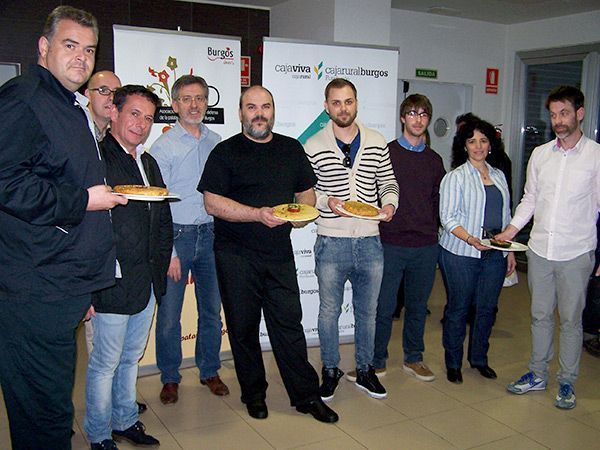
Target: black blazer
{"type": "Point", "coordinates": [143, 233]}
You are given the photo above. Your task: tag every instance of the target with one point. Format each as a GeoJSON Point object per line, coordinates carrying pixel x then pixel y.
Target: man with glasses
{"type": "Point", "coordinates": [562, 194]}
{"type": "Point", "coordinates": [351, 162]}
{"type": "Point", "coordinates": [181, 153]}
{"type": "Point", "coordinates": [410, 239]}
{"type": "Point", "coordinates": [99, 91]}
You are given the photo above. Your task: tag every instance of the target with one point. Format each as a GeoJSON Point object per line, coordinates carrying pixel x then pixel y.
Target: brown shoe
{"type": "Point", "coordinates": [169, 394]}
{"type": "Point", "coordinates": [215, 385]}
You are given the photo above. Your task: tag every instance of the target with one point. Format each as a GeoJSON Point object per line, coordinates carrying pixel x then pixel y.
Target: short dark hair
{"type": "Point", "coordinates": [339, 83]}
{"type": "Point", "coordinates": [122, 93]}
{"type": "Point", "coordinates": [187, 80]}
{"type": "Point", "coordinates": [65, 12]}
{"type": "Point", "coordinates": [257, 86]}
{"type": "Point", "coordinates": [416, 101]}
{"type": "Point", "coordinates": [566, 93]}
{"type": "Point", "coordinates": [465, 132]}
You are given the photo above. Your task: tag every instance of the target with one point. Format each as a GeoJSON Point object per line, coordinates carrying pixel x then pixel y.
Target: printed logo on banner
{"type": "Point", "coordinates": [162, 87]}
{"type": "Point", "coordinates": [220, 54]}
{"type": "Point", "coordinates": [303, 253]}
{"type": "Point", "coordinates": [318, 70]}
{"type": "Point", "coordinates": [301, 71]}
{"type": "Point", "coordinates": [305, 273]}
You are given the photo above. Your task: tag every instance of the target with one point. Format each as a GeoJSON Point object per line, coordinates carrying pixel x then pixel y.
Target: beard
{"type": "Point", "coordinates": [343, 123]}
{"type": "Point", "coordinates": [258, 133]}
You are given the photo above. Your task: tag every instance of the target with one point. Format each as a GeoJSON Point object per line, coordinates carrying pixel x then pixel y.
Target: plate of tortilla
{"type": "Point", "coordinates": [295, 212]}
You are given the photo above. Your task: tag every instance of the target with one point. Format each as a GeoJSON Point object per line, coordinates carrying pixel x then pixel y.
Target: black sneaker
{"type": "Point", "coordinates": [592, 346]}
{"type": "Point", "coordinates": [136, 434]}
{"type": "Point", "coordinates": [367, 381]}
{"type": "Point", "coordinates": [106, 444]}
{"type": "Point", "coordinates": [331, 377]}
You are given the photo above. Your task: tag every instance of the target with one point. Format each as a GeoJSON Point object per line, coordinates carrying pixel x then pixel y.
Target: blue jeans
{"type": "Point", "coordinates": [470, 281]}
{"type": "Point", "coordinates": [119, 343]}
{"type": "Point", "coordinates": [194, 246]}
{"type": "Point", "coordinates": [359, 260]}
{"type": "Point", "coordinates": [417, 266]}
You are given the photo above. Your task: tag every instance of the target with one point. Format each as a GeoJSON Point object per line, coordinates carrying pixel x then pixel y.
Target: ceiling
{"type": "Point", "coordinates": [497, 11]}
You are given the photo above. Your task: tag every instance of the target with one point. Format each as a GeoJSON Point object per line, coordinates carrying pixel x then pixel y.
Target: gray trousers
{"type": "Point", "coordinates": [562, 284]}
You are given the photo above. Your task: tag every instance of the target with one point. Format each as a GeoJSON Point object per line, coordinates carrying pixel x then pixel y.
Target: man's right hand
{"type": "Point", "coordinates": [101, 198]}
{"type": "Point", "coordinates": [266, 217]}
{"type": "Point", "coordinates": [508, 234]}
{"type": "Point", "coordinates": [174, 271]}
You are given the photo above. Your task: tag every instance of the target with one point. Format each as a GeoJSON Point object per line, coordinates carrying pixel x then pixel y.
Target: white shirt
{"type": "Point", "coordinates": [562, 192]}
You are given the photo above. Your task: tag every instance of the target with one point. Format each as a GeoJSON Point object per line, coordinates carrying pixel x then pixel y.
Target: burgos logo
{"type": "Point", "coordinates": [318, 70]}
{"type": "Point", "coordinates": [218, 54]}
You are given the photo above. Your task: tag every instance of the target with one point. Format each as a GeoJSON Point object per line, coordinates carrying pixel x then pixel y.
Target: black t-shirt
{"type": "Point", "coordinates": [257, 174]}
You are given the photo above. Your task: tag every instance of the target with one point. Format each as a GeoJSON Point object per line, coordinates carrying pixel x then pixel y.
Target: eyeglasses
{"type": "Point", "coordinates": [104, 90]}
{"type": "Point", "coordinates": [414, 114]}
{"type": "Point", "coordinates": [187, 99]}
{"type": "Point", "coordinates": [347, 162]}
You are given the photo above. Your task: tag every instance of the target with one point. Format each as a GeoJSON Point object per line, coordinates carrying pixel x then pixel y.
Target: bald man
{"type": "Point", "coordinates": [100, 91]}
{"type": "Point", "coordinates": [243, 178]}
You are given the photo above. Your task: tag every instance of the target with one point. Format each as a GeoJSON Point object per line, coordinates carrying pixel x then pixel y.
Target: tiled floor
{"type": "Point", "coordinates": [416, 415]}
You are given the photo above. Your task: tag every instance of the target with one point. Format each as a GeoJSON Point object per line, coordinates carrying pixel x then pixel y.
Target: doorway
{"type": "Point", "coordinates": [449, 100]}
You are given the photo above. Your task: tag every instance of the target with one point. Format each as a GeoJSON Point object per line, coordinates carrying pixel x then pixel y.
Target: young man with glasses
{"type": "Point", "coordinates": [100, 91]}
{"type": "Point", "coordinates": [181, 153]}
{"type": "Point", "coordinates": [351, 162]}
{"type": "Point", "coordinates": [410, 240]}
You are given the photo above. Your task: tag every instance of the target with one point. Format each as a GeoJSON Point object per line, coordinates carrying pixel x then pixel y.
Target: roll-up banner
{"type": "Point", "coordinates": [156, 58]}
{"type": "Point", "coordinates": [297, 72]}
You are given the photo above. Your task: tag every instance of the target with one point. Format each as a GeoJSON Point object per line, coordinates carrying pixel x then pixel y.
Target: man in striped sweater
{"type": "Point", "coordinates": [351, 162]}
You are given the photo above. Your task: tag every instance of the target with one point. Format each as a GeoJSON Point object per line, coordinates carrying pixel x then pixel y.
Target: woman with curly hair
{"type": "Point", "coordinates": [473, 197]}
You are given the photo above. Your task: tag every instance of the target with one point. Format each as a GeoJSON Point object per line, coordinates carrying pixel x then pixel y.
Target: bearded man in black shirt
{"type": "Point", "coordinates": [243, 178]}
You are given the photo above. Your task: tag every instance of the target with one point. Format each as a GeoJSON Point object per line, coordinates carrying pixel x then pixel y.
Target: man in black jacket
{"type": "Point", "coordinates": [55, 245]}
{"type": "Point", "coordinates": [123, 314]}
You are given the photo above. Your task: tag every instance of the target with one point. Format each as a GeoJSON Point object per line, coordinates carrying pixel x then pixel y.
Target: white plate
{"type": "Point", "coordinates": [514, 247]}
{"type": "Point", "coordinates": [380, 216]}
{"type": "Point", "coordinates": [149, 198]}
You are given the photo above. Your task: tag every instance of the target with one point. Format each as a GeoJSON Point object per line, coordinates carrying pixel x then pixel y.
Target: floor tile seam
{"type": "Point", "coordinates": [577, 419]}
{"type": "Point", "coordinates": [506, 437]}
{"type": "Point", "coordinates": [236, 416]}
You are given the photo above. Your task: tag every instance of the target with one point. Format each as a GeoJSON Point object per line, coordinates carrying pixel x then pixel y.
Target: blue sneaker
{"type": "Point", "coordinates": [528, 382]}
{"type": "Point", "coordinates": [565, 399]}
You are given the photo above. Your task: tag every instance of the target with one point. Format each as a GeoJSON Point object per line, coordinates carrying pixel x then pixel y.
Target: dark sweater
{"type": "Point", "coordinates": [416, 221]}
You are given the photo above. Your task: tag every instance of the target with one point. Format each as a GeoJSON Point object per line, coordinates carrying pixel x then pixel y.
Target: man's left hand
{"type": "Point", "coordinates": [388, 210]}
{"type": "Point", "coordinates": [89, 314]}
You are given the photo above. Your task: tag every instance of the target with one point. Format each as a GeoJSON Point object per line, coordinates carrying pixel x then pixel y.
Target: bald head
{"type": "Point", "coordinates": [100, 91]}
{"type": "Point", "coordinates": [257, 114]}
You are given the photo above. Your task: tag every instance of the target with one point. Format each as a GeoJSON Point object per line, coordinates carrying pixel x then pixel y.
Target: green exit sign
{"type": "Point", "coordinates": [426, 73]}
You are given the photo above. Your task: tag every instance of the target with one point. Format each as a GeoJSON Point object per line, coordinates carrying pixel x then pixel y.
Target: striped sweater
{"type": "Point", "coordinates": [370, 180]}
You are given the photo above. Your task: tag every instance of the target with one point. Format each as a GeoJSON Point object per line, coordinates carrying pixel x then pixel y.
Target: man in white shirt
{"type": "Point", "coordinates": [562, 193]}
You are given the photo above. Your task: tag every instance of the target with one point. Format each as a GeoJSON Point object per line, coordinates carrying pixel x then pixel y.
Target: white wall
{"type": "Point", "coordinates": [363, 22]}
{"type": "Point", "coordinates": [303, 19]}
{"type": "Point", "coordinates": [460, 50]}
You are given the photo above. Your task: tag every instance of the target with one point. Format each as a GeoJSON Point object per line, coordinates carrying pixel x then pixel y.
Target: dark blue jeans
{"type": "Point", "coordinates": [417, 266]}
{"type": "Point", "coordinates": [470, 281]}
{"type": "Point", "coordinates": [194, 245]}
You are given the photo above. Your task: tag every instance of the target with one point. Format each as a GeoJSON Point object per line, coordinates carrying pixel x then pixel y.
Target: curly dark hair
{"type": "Point", "coordinates": [466, 131]}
